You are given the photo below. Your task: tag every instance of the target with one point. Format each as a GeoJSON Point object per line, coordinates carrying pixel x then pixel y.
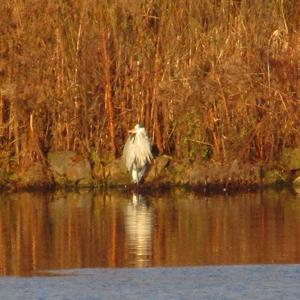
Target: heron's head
{"type": "Point", "coordinates": [137, 129]}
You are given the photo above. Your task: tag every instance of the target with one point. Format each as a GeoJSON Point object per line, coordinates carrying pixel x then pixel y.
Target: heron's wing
{"type": "Point", "coordinates": [128, 154]}
{"type": "Point", "coordinates": [142, 149]}
{"type": "Point", "coordinates": [137, 151]}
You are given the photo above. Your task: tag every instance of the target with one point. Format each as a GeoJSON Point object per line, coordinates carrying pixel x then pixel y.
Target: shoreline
{"type": "Point", "coordinates": [150, 189]}
{"type": "Point", "coordinates": [70, 171]}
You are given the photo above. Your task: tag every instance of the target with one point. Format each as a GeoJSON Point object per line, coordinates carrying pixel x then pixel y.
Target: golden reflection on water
{"type": "Point", "coordinates": [74, 230]}
{"type": "Point", "coordinates": [138, 228]}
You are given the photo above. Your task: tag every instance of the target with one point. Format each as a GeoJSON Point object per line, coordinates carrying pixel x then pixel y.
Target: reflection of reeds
{"type": "Point", "coordinates": [207, 78]}
{"type": "Point", "coordinates": [41, 232]}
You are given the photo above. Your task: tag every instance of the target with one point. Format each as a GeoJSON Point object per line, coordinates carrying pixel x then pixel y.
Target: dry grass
{"type": "Point", "coordinates": [209, 79]}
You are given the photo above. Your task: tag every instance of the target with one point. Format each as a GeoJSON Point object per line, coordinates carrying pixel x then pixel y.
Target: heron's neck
{"type": "Point", "coordinates": [137, 136]}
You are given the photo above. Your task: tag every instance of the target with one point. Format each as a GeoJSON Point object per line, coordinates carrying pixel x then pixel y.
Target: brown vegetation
{"type": "Point", "coordinates": [208, 79]}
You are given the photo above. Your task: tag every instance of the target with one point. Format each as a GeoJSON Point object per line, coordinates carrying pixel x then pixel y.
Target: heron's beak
{"type": "Point", "coordinates": [132, 131]}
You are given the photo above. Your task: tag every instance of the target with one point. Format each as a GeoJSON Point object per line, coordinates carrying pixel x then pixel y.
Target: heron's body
{"type": "Point", "coordinates": [137, 153]}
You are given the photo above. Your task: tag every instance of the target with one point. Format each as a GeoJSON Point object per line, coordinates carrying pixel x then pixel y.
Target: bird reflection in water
{"type": "Point", "coordinates": [138, 225]}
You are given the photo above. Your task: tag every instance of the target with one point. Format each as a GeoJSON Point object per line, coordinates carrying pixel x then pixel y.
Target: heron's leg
{"type": "Point", "coordinates": [134, 174]}
{"type": "Point", "coordinates": [136, 187]}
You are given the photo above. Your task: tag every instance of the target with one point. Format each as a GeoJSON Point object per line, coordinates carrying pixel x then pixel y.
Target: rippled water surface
{"type": "Point", "coordinates": [51, 231]}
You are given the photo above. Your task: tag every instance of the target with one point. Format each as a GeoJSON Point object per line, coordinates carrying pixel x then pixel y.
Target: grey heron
{"type": "Point", "coordinates": [137, 152]}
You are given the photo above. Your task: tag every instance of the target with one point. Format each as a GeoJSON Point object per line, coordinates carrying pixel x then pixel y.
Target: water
{"type": "Point", "coordinates": [60, 231]}
{"type": "Point", "coordinates": [175, 245]}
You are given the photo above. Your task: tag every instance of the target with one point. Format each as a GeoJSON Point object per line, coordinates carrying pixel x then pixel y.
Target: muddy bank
{"type": "Point", "coordinates": [67, 169]}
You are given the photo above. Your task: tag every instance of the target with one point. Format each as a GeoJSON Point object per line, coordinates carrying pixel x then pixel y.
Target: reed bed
{"type": "Point", "coordinates": [209, 79]}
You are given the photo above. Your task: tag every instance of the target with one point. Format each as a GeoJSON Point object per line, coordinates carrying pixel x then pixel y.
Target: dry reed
{"type": "Point", "coordinates": [209, 79]}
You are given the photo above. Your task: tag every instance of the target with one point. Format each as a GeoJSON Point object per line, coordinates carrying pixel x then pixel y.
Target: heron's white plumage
{"type": "Point", "coordinates": [137, 153]}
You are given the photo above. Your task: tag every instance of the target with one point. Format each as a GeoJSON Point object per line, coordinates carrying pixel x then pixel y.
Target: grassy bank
{"type": "Point", "coordinates": [210, 80]}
